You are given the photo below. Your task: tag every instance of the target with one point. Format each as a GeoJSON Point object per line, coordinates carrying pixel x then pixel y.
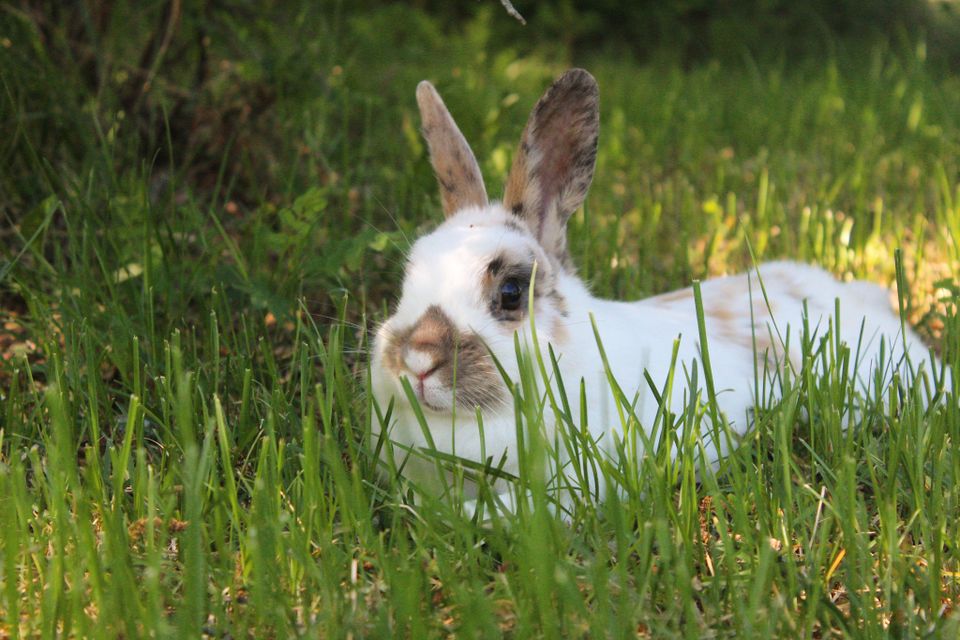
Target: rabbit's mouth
{"type": "Point", "coordinates": [444, 365]}
{"type": "Point", "coordinates": [431, 394]}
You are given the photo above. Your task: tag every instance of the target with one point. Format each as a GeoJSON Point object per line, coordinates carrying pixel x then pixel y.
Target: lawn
{"type": "Point", "coordinates": [199, 236]}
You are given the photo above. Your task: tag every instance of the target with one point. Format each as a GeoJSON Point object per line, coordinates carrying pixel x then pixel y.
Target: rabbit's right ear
{"type": "Point", "coordinates": [553, 167]}
{"type": "Point", "coordinates": [457, 171]}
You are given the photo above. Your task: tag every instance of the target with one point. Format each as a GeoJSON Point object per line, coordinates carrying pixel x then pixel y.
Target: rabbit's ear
{"type": "Point", "coordinates": [554, 164]}
{"type": "Point", "coordinates": [461, 184]}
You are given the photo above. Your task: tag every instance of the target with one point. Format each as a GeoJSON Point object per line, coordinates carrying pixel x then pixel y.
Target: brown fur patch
{"type": "Point", "coordinates": [721, 313]}
{"type": "Point", "coordinates": [516, 226]}
{"type": "Point", "coordinates": [554, 164]}
{"type": "Point", "coordinates": [434, 333]}
{"type": "Point", "coordinates": [559, 302]}
{"type": "Point", "coordinates": [456, 168]}
{"type": "Point", "coordinates": [794, 287]}
{"type": "Point", "coordinates": [393, 352]}
{"type": "Point", "coordinates": [734, 327]}
{"type": "Point", "coordinates": [471, 369]}
{"type": "Point", "coordinates": [461, 359]}
{"type": "Point", "coordinates": [559, 331]}
{"type": "Point", "coordinates": [674, 296]}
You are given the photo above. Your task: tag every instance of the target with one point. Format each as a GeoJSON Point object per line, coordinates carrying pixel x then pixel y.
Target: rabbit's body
{"type": "Point", "coordinates": [748, 336]}
{"type": "Point", "coordinates": [465, 297]}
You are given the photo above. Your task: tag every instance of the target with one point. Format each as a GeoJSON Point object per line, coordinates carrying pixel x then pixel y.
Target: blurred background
{"type": "Point", "coordinates": [204, 205]}
{"type": "Point", "coordinates": [272, 149]}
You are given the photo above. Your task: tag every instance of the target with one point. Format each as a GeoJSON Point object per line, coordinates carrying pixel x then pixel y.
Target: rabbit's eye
{"type": "Point", "coordinates": [510, 294]}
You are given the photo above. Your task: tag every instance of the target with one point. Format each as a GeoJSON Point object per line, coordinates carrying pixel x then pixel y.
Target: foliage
{"type": "Point", "coordinates": [191, 268]}
{"type": "Point", "coordinates": [698, 28]}
{"type": "Point", "coordinates": [694, 30]}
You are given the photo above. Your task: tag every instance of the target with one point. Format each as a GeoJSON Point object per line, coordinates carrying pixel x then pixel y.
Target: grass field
{"type": "Point", "coordinates": [190, 268]}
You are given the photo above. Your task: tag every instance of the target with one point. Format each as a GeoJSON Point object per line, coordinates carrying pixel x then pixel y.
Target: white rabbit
{"type": "Point", "coordinates": [466, 286]}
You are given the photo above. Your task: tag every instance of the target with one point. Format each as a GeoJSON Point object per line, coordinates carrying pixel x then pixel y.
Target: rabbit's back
{"type": "Point", "coordinates": [767, 310]}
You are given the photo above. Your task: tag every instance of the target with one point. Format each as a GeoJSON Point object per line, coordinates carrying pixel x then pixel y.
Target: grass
{"type": "Point", "coordinates": [185, 428]}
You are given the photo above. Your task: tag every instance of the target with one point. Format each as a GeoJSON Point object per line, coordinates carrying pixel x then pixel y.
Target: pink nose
{"type": "Point", "coordinates": [420, 363]}
{"type": "Point", "coordinates": [426, 374]}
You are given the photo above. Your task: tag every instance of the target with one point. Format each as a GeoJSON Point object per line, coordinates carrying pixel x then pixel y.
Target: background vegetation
{"type": "Point", "coordinates": [205, 207]}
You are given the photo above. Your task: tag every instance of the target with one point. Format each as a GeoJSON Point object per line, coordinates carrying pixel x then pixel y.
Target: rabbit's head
{"type": "Point", "coordinates": [467, 284]}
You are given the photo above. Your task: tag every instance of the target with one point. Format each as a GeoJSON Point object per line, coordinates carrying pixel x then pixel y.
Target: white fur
{"type": "Point", "coordinates": [448, 267]}
{"type": "Point", "coordinates": [445, 269]}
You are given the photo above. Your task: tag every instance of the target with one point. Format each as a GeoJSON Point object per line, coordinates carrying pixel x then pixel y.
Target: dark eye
{"type": "Point", "coordinates": [510, 294]}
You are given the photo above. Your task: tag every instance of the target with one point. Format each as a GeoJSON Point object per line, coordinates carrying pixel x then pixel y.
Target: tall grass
{"type": "Point", "coordinates": [185, 432]}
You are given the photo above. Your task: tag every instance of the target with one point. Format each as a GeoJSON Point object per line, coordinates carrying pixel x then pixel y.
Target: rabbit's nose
{"type": "Point", "coordinates": [420, 363]}
{"type": "Point", "coordinates": [432, 331]}
{"type": "Point", "coordinates": [428, 343]}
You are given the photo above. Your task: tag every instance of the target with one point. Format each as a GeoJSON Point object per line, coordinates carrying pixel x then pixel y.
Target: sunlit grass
{"type": "Point", "coordinates": [185, 430]}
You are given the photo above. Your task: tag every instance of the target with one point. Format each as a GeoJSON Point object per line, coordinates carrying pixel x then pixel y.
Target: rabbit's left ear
{"type": "Point", "coordinates": [554, 164]}
{"type": "Point", "coordinates": [461, 184]}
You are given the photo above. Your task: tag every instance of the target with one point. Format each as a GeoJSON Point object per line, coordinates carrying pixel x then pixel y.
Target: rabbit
{"type": "Point", "coordinates": [466, 292]}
